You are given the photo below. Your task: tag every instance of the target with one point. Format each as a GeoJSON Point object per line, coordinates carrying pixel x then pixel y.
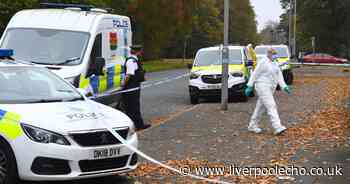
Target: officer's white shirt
{"type": "Point", "coordinates": [267, 72]}
{"type": "Point", "coordinates": [131, 66]}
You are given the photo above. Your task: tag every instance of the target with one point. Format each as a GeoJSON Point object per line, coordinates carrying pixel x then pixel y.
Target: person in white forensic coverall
{"type": "Point", "coordinates": [265, 78]}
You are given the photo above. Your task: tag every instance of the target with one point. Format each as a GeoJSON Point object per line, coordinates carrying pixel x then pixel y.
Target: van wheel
{"type": "Point", "coordinates": [8, 165]}
{"type": "Point", "coordinates": [194, 99]}
{"type": "Point", "coordinates": [290, 78]}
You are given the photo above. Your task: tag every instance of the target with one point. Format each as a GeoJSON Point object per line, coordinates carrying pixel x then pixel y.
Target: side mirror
{"type": "Point", "coordinates": [189, 66]}
{"type": "Point", "coordinates": [100, 63]}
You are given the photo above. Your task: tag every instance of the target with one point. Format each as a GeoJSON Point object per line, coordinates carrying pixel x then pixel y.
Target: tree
{"type": "Point", "coordinates": [243, 26]}
{"type": "Point", "coordinates": [9, 7]}
{"type": "Point", "coordinates": [327, 20]}
{"type": "Point", "coordinates": [163, 26]}
{"type": "Point", "coordinates": [272, 34]}
{"type": "Point", "coordinates": [157, 21]}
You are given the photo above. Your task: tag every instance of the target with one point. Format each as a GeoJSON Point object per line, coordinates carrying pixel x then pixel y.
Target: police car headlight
{"type": "Point", "coordinates": [44, 136]}
{"type": "Point", "coordinates": [194, 76]}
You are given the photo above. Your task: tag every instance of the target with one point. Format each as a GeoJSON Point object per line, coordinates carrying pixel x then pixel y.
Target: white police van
{"type": "Point", "coordinates": [51, 131]}
{"type": "Point", "coordinates": [72, 41]}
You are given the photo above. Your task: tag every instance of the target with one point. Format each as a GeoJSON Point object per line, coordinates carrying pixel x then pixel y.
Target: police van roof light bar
{"type": "Point", "coordinates": [82, 7]}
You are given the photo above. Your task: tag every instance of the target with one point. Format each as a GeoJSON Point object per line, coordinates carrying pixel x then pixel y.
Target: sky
{"type": "Point", "coordinates": [266, 10]}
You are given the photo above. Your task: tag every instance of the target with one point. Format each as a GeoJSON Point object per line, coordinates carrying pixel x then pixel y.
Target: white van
{"type": "Point", "coordinates": [283, 59]}
{"type": "Point", "coordinates": [71, 41]}
{"type": "Point", "coordinates": [206, 73]}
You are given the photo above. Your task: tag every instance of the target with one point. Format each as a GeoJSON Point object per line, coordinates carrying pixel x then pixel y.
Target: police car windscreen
{"type": "Point", "coordinates": [282, 52]}
{"type": "Point", "coordinates": [33, 85]}
{"type": "Point", "coordinates": [44, 46]}
{"type": "Point", "coordinates": [213, 57]}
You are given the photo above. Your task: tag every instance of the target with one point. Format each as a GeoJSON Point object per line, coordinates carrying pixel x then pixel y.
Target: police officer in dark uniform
{"type": "Point", "coordinates": [134, 75]}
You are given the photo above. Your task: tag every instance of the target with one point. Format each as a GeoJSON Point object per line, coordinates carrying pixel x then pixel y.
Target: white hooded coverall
{"type": "Point", "coordinates": [266, 77]}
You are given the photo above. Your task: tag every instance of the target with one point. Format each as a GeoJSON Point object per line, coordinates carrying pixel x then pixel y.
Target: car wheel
{"type": "Point", "coordinates": [8, 166]}
{"type": "Point", "coordinates": [194, 99]}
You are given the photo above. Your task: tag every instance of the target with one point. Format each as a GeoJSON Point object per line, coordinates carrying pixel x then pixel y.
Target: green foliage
{"type": "Point", "coordinates": [327, 20]}
{"type": "Point", "coordinates": [207, 26]}
{"type": "Point", "coordinates": [160, 65]}
{"type": "Point", "coordinates": [243, 28]}
{"type": "Point", "coordinates": [163, 26]}
{"type": "Point", "coordinates": [9, 7]}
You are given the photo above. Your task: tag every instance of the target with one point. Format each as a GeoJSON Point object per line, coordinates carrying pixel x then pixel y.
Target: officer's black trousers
{"type": "Point", "coordinates": [131, 102]}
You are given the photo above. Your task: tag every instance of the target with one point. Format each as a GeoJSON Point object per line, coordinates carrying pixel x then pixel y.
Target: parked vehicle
{"type": "Point", "coordinates": [323, 58]}
{"type": "Point", "coordinates": [284, 58]}
{"type": "Point", "coordinates": [51, 131]}
{"type": "Point", "coordinates": [206, 75]}
{"type": "Point", "coordinates": [68, 39]}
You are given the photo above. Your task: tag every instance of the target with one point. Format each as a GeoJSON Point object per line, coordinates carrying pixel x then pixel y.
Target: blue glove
{"type": "Point", "coordinates": [287, 90]}
{"type": "Point", "coordinates": [248, 91]}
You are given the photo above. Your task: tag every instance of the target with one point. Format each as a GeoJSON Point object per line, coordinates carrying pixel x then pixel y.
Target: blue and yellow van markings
{"type": "Point", "coordinates": [10, 124]}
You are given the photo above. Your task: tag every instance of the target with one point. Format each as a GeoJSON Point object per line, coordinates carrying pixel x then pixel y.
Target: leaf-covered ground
{"type": "Point", "coordinates": [317, 117]}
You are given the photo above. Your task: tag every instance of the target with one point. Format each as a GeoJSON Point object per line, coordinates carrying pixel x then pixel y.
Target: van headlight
{"type": "Point", "coordinates": [237, 74]}
{"type": "Point", "coordinates": [44, 136]}
{"type": "Point", "coordinates": [194, 76]}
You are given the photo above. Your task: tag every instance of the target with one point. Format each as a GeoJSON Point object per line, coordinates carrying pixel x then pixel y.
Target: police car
{"type": "Point", "coordinates": [206, 76]}
{"type": "Point", "coordinates": [50, 131]}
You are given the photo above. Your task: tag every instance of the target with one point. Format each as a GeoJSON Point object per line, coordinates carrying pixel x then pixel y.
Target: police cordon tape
{"type": "Point", "coordinates": [320, 64]}
{"type": "Point", "coordinates": [140, 153]}
{"type": "Point", "coordinates": [115, 92]}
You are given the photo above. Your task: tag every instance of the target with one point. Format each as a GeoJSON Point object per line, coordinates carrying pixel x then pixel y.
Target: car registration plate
{"type": "Point", "coordinates": [218, 86]}
{"type": "Point", "coordinates": [105, 153]}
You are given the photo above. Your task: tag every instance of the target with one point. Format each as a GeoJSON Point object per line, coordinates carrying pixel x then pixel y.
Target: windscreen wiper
{"type": "Point", "coordinates": [45, 101]}
{"type": "Point", "coordinates": [74, 99]}
{"type": "Point", "coordinates": [65, 91]}
{"type": "Point", "coordinates": [69, 61]}
{"type": "Point", "coordinates": [42, 63]}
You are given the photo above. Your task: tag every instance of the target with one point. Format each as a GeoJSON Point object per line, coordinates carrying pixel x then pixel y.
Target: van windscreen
{"type": "Point", "coordinates": [46, 46]}
{"type": "Point", "coordinates": [282, 52]}
{"type": "Point", "coordinates": [212, 57]}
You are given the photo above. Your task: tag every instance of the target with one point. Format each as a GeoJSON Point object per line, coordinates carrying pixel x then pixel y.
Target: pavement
{"type": "Point", "coordinates": [202, 135]}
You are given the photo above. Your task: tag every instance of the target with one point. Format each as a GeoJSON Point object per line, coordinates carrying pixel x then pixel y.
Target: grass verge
{"type": "Point", "coordinates": [165, 64]}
